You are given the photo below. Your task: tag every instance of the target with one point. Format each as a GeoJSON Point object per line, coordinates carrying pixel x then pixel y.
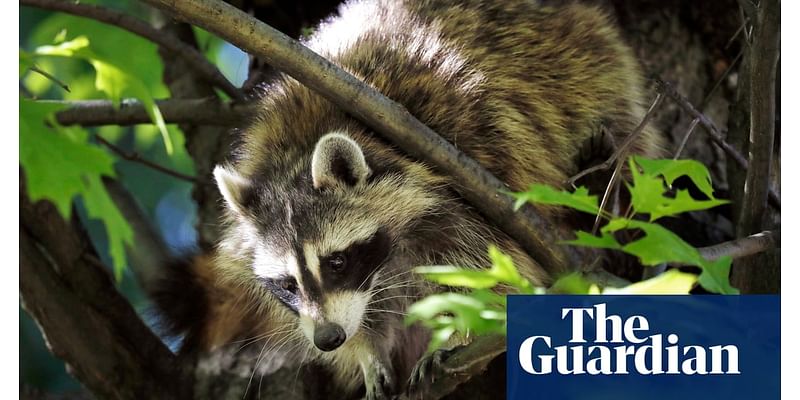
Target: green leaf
{"type": "Point", "coordinates": [55, 165]}
{"type": "Point", "coordinates": [59, 164]}
{"type": "Point", "coordinates": [502, 271]}
{"type": "Point", "coordinates": [647, 195]}
{"type": "Point", "coordinates": [112, 79]}
{"type": "Point", "coordinates": [573, 283]}
{"type": "Point", "coordinates": [670, 282]}
{"type": "Point", "coordinates": [115, 83]}
{"type": "Point", "coordinates": [464, 311]}
{"type": "Point", "coordinates": [716, 276]}
{"type": "Point", "coordinates": [138, 55]}
{"type": "Point", "coordinates": [659, 245]}
{"type": "Point", "coordinates": [604, 241]}
{"type": "Point", "coordinates": [489, 298]}
{"type": "Point", "coordinates": [77, 47]}
{"type": "Point", "coordinates": [25, 62]}
{"type": "Point", "coordinates": [673, 169]}
{"type": "Point", "coordinates": [100, 206]}
{"type": "Point", "coordinates": [543, 194]}
{"type": "Point", "coordinates": [439, 337]}
{"type": "Point", "coordinates": [455, 276]}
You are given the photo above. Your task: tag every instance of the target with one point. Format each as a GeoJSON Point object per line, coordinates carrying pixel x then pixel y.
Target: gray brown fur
{"type": "Point", "coordinates": [517, 86]}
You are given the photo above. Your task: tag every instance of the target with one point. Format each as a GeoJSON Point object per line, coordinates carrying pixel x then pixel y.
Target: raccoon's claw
{"type": "Point", "coordinates": [427, 369]}
{"type": "Point", "coordinates": [381, 385]}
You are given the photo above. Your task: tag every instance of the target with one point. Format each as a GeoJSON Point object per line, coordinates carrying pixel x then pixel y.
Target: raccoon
{"type": "Point", "coordinates": [325, 219]}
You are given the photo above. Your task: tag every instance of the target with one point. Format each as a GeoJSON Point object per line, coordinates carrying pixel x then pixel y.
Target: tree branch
{"type": "Point", "coordinates": [150, 253]}
{"type": "Point", "coordinates": [49, 76]}
{"type": "Point", "coordinates": [755, 132]}
{"type": "Point", "coordinates": [199, 62]}
{"type": "Point", "coordinates": [460, 366]}
{"type": "Point", "coordinates": [86, 322]}
{"type": "Point", "coordinates": [743, 247]}
{"type": "Point", "coordinates": [207, 145]}
{"type": "Point", "coordinates": [713, 131]}
{"type": "Point", "coordinates": [622, 150]}
{"type": "Point", "coordinates": [135, 157]}
{"type": "Point", "coordinates": [204, 111]}
{"type": "Point", "coordinates": [475, 183]}
{"type": "Point", "coordinates": [763, 64]}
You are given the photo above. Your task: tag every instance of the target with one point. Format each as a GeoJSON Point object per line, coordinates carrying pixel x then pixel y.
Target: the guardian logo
{"type": "Point", "coordinates": [621, 346]}
{"type": "Point", "coordinates": [567, 347]}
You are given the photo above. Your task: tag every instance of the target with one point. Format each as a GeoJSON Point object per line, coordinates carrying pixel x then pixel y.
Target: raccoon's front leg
{"type": "Point", "coordinates": [378, 376]}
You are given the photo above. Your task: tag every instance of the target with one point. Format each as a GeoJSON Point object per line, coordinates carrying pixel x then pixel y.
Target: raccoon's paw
{"type": "Point", "coordinates": [380, 384]}
{"type": "Point", "coordinates": [427, 369]}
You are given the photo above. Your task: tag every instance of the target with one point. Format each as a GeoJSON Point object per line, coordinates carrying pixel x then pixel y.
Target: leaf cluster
{"type": "Point", "coordinates": [479, 308]}
{"type": "Point", "coordinates": [62, 164]}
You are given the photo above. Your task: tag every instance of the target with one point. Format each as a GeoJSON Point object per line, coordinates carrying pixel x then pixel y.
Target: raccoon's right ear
{"type": "Point", "coordinates": [233, 187]}
{"type": "Point", "coordinates": [338, 160]}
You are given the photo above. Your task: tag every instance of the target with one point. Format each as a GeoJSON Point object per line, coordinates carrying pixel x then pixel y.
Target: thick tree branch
{"type": "Point", "coordinates": [460, 366]}
{"type": "Point", "coordinates": [763, 63]}
{"type": "Point", "coordinates": [86, 322]}
{"type": "Point", "coordinates": [755, 134]}
{"type": "Point", "coordinates": [207, 145]}
{"type": "Point", "coordinates": [204, 67]}
{"type": "Point", "coordinates": [205, 111]}
{"type": "Point", "coordinates": [475, 183]}
{"type": "Point", "coordinates": [150, 253]}
{"type": "Point", "coordinates": [714, 132]}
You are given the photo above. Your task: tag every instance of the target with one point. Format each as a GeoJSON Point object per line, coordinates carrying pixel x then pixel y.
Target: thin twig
{"type": "Point", "coordinates": [706, 100]}
{"type": "Point", "coordinates": [736, 34]}
{"type": "Point", "coordinates": [135, 157]}
{"type": "Point", "coordinates": [686, 138]}
{"type": "Point", "coordinates": [50, 77]}
{"type": "Point", "coordinates": [477, 185]}
{"type": "Point", "coordinates": [623, 148]}
{"type": "Point", "coordinates": [743, 247]}
{"type": "Point", "coordinates": [205, 111]}
{"type": "Point", "coordinates": [136, 26]}
{"type": "Point", "coordinates": [712, 130]}
{"type": "Point", "coordinates": [720, 80]}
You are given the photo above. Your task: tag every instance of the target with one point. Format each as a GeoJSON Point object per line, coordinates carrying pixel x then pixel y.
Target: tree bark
{"type": "Point", "coordinates": [759, 273]}
{"type": "Point", "coordinates": [86, 322]}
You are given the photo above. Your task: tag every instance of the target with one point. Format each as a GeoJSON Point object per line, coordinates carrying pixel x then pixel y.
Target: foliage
{"type": "Point", "coordinates": [476, 309]}
{"type": "Point", "coordinates": [60, 163]}
{"type": "Point", "coordinates": [67, 166]}
{"type": "Point", "coordinates": [651, 195]}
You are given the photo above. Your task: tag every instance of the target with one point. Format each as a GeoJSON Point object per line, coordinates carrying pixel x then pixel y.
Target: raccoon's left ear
{"type": "Point", "coordinates": [338, 160]}
{"type": "Point", "coordinates": [233, 187]}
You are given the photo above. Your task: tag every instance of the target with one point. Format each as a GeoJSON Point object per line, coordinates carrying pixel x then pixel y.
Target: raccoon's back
{"type": "Point", "coordinates": [517, 86]}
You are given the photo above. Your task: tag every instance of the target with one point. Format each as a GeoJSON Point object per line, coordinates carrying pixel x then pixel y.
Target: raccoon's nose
{"type": "Point", "coordinates": [329, 336]}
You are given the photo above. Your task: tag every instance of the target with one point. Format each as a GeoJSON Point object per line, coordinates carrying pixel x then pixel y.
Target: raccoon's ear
{"type": "Point", "coordinates": [232, 186]}
{"type": "Point", "coordinates": [338, 160]}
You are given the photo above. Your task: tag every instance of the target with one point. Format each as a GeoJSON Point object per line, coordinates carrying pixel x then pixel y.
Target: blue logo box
{"type": "Point", "coordinates": [643, 347]}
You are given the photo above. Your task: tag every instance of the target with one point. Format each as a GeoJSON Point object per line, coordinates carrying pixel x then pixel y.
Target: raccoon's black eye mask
{"type": "Point", "coordinates": [349, 268]}
{"type": "Point", "coordinates": [285, 289]}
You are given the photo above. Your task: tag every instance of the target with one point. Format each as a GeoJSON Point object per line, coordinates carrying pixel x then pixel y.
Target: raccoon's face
{"type": "Point", "coordinates": [321, 239]}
